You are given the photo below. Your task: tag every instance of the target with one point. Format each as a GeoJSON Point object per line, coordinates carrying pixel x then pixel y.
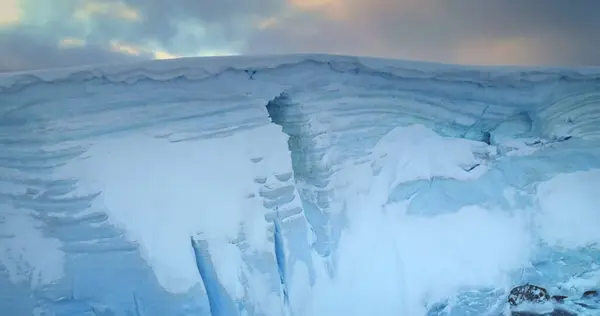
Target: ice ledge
{"type": "Point", "coordinates": [198, 68]}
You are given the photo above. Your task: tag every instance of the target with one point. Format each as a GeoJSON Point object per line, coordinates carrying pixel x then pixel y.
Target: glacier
{"type": "Point", "coordinates": [296, 185]}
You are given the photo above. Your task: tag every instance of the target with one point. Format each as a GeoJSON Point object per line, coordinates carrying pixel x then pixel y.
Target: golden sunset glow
{"type": "Point", "coordinates": [119, 9]}
{"type": "Point", "coordinates": [10, 13]}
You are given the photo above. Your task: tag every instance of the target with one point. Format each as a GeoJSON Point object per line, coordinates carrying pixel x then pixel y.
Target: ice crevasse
{"type": "Point", "coordinates": [295, 185]}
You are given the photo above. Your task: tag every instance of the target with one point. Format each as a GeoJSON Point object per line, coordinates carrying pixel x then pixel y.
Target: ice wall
{"type": "Point", "coordinates": [308, 185]}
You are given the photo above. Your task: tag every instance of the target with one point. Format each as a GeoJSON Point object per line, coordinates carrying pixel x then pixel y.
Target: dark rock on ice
{"type": "Point", "coordinates": [559, 298]}
{"type": "Point", "coordinates": [590, 300]}
{"type": "Point", "coordinates": [534, 294]}
{"type": "Point", "coordinates": [528, 293]}
{"type": "Point", "coordinates": [590, 294]}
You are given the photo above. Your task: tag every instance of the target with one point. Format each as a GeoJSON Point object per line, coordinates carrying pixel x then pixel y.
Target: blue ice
{"type": "Point", "coordinates": [297, 185]}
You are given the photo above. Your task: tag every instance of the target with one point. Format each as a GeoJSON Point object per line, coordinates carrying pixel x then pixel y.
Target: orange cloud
{"type": "Point", "coordinates": [215, 52]}
{"type": "Point", "coordinates": [332, 9]}
{"type": "Point", "coordinates": [119, 9]}
{"type": "Point", "coordinates": [71, 42]}
{"type": "Point", "coordinates": [267, 23]}
{"type": "Point", "coordinates": [354, 10]}
{"type": "Point", "coordinates": [123, 48]}
{"type": "Point", "coordinates": [10, 12]}
{"type": "Point", "coordinates": [313, 4]}
{"type": "Point", "coordinates": [164, 55]}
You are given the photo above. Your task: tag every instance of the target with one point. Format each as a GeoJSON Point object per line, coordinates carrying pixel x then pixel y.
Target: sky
{"type": "Point", "coordinates": [57, 33]}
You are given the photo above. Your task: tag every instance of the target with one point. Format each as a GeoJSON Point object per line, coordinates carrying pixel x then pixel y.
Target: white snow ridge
{"type": "Point", "coordinates": [304, 185]}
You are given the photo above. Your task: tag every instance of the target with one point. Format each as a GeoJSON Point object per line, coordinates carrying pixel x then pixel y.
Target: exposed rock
{"type": "Point", "coordinates": [591, 300]}
{"type": "Point", "coordinates": [559, 298]}
{"type": "Point", "coordinates": [590, 294]}
{"type": "Point", "coordinates": [534, 294]}
{"type": "Point", "coordinates": [528, 293]}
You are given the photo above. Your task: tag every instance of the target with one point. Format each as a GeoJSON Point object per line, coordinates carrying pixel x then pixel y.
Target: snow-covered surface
{"type": "Point", "coordinates": [307, 185]}
{"type": "Point", "coordinates": [570, 200]}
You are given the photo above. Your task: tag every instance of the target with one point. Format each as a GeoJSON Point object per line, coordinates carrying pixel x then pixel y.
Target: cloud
{"type": "Point", "coordinates": [21, 50]}
{"type": "Point", "coordinates": [66, 43]}
{"type": "Point", "coordinates": [111, 9]}
{"type": "Point", "coordinates": [463, 31]}
{"type": "Point", "coordinates": [457, 31]}
{"type": "Point", "coordinates": [10, 12]}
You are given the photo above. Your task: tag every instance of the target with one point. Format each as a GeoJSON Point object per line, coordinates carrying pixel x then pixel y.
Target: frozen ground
{"type": "Point", "coordinates": [296, 185]}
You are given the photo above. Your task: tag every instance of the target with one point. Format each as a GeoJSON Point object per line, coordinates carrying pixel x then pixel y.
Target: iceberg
{"type": "Point", "coordinates": [296, 185]}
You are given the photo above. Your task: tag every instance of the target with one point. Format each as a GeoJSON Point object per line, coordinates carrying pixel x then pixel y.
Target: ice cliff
{"type": "Point", "coordinates": [295, 185]}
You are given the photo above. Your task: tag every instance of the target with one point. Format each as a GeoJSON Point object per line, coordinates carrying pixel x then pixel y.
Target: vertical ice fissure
{"type": "Point", "coordinates": [221, 304]}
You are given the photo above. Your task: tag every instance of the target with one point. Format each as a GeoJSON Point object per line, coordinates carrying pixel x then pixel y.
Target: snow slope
{"type": "Point", "coordinates": [295, 185]}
